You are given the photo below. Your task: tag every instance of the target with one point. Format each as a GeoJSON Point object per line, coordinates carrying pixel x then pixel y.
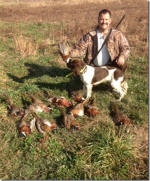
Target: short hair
{"type": "Point", "coordinates": [104, 11]}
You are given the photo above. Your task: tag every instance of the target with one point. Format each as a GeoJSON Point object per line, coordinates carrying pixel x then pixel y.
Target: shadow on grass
{"type": "Point", "coordinates": [74, 84]}
{"type": "Point", "coordinates": [35, 71]}
{"type": "Point", "coordinates": [59, 122]}
{"type": "Point", "coordinates": [60, 86]}
{"type": "Point", "coordinates": [102, 87]}
{"type": "Point", "coordinates": [38, 71]}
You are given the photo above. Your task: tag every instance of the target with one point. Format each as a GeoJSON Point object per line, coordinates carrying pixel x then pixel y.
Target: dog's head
{"type": "Point", "coordinates": [76, 66]}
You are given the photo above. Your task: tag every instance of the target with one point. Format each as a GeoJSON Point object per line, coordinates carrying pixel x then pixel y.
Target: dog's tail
{"type": "Point", "coordinates": [124, 86]}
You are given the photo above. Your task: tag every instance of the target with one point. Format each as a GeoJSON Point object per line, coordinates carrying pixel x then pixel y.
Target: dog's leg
{"type": "Point", "coordinates": [89, 90]}
{"type": "Point", "coordinates": [120, 87]}
{"type": "Point", "coordinates": [84, 90]}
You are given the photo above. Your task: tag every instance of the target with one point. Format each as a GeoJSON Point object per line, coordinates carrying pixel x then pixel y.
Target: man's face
{"type": "Point", "coordinates": [104, 21]}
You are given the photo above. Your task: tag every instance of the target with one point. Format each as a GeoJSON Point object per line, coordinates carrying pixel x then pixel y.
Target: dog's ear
{"type": "Point", "coordinates": [78, 66]}
{"type": "Point", "coordinates": [76, 71]}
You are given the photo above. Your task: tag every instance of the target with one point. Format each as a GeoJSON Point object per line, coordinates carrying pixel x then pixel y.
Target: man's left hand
{"type": "Point", "coordinates": [121, 61]}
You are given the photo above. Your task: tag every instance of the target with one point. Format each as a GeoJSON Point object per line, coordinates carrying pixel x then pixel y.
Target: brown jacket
{"type": "Point", "coordinates": [116, 45]}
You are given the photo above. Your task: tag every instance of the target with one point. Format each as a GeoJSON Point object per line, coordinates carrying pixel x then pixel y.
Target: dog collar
{"type": "Point", "coordinates": [83, 70]}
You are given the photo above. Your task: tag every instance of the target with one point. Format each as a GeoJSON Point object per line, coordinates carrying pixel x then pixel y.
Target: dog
{"type": "Point", "coordinates": [92, 76]}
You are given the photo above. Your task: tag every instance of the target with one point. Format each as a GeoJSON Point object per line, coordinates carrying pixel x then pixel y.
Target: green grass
{"type": "Point", "coordinates": [101, 151]}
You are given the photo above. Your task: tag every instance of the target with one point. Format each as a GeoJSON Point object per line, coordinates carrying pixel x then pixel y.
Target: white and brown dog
{"type": "Point", "coordinates": [92, 76]}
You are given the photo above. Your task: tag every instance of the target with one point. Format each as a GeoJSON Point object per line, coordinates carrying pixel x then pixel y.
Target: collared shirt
{"type": "Point", "coordinates": [103, 56]}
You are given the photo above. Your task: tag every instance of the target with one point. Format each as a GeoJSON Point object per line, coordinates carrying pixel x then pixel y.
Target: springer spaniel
{"type": "Point", "coordinates": [92, 76]}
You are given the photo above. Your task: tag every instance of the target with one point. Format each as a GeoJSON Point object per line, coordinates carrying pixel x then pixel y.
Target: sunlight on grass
{"type": "Point", "coordinates": [99, 150]}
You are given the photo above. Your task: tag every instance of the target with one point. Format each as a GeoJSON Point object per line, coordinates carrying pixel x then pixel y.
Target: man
{"type": "Point", "coordinates": [115, 51]}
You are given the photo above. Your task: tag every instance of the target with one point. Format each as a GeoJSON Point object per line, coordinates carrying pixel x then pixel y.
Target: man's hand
{"type": "Point", "coordinates": [121, 61]}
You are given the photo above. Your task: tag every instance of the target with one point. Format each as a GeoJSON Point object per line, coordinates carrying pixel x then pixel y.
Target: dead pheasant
{"type": "Point", "coordinates": [91, 109]}
{"type": "Point", "coordinates": [24, 126]}
{"type": "Point", "coordinates": [47, 94]}
{"type": "Point", "coordinates": [43, 126]}
{"type": "Point", "coordinates": [33, 124]}
{"type": "Point", "coordinates": [38, 106]}
{"type": "Point", "coordinates": [77, 97]}
{"type": "Point", "coordinates": [78, 109]}
{"type": "Point", "coordinates": [118, 117]}
{"type": "Point", "coordinates": [75, 124]}
{"type": "Point", "coordinates": [14, 110]}
{"type": "Point", "coordinates": [60, 101]}
{"type": "Point", "coordinates": [63, 102]}
{"type": "Point", "coordinates": [69, 120]}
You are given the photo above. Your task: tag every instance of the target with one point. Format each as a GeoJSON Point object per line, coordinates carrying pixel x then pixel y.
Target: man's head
{"type": "Point", "coordinates": [104, 19]}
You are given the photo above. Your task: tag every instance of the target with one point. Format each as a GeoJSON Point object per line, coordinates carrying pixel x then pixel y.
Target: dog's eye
{"type": "Point", "coordinates": [71, 65]}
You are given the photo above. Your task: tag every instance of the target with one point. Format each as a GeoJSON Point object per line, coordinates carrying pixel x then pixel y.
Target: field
{"type": "Point", "coordinates": [30, 64]}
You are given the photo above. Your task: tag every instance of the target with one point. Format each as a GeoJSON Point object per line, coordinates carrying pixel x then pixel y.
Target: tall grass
{"type": "Point", "coordinates": [25, 46]}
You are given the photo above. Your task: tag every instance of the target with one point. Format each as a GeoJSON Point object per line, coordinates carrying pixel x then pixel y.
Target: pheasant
{"type": "Point", "coordinates": [91, 110]}
{"type": "Point", "coordinates": [38, 106]}
{"type": "Point", "coordinates": [43, 126]}
{"type": "Point", "coordinates": [75, 124]}
{"type": "Point", "coordinates": [60, 101]}
{"type": "Point", "coordinates": [63, 102]}
{"type": "Point", "coordinates": [69, 120]}
{"type": "Point", "coordinates": [118, 117]}
{"type": "Point", "coordinates": [77, 97]}
{"type": "Point", "coordinates": [78, 109]}
{"type": "Point", "coordinates": [24, 126]}
{"type": "Point", "coordinates": [14, 110]}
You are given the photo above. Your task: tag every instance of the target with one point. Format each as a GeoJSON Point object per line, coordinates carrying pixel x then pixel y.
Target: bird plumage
{"type": "Point", "coordinates": [78, 109]}
{"type": "Point", "coordinates": [38, 106]}
{"type": "Point", "coordinates": [118, 117]}
{"type": "Point", "coordinates": [24, 126]}
{"type": "Point", "coordinates": [43, 125]}
{"type": "Point", "coordinates": [13, 109]}
{"type": "Point", "coordinates": [91, 109]}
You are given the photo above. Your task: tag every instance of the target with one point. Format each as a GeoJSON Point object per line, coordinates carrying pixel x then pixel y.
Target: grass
{"type": "Point", "coordinates": [100, 150]}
